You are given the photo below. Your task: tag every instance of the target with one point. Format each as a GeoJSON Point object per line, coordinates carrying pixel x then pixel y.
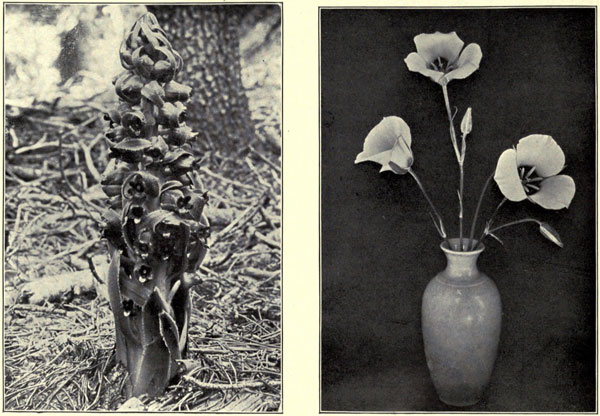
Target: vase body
{"type": "Point", "coordinates": [461, 315]}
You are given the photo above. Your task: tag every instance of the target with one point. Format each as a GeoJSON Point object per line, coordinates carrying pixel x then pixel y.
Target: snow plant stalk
{"type": "Point", "coordinates": [155, 227]}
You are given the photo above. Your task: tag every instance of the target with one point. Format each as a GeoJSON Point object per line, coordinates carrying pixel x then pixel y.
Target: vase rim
{"type": "Point", "coordinates": [454, 243]}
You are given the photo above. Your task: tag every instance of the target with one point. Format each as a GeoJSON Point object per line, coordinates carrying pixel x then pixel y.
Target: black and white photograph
{"type": "Point", "coordinates": [142, 207]}
{"type": "Point", "coordinates": [458, 209]}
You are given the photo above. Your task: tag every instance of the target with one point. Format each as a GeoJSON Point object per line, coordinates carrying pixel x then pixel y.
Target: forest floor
{"type": "Point", "coordinates": [58, 328]}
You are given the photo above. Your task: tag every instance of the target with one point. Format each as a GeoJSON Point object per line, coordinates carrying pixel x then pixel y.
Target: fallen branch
{"type": "Point", "coordinates": [233, 386]}
{"type": "Point", "coordinates": [53, 288]}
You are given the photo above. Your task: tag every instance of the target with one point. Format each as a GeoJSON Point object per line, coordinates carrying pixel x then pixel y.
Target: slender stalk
{"type": "Point", "coordinates": [508, 224]}
{"type": "Point", "coordinates": [460, 157]}
{"type": "Point", "coordinates": [452, 132]}
{"type": "Point", "coordinates": [476, 215]}
{"type": "Point", "coordinates": [491, 220]}
{"type": "Point", "coordinates": [460, 204]}
{"type": "Point", "coordinates": [433, 208]}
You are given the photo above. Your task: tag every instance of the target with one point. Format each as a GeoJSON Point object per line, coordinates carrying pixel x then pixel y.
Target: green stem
{"type": "Point", "coordinates": [460, 157]}
{"type": "Point", "coordinates": [508, 224]}
{"type": "Point", "coordinates": [491, 220]}
{"type": "Point", "coordinates": [452, 132]}
{"type": "Point", "coordinates": [460, 204]}
{"type": "Point", "coordinates": [476, 215]}
{"type": "Point", "coordinates": [433, 208]}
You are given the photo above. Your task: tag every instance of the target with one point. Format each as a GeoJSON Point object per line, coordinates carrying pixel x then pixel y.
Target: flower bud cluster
{"type": "Point", "coordinates": [156, 221]}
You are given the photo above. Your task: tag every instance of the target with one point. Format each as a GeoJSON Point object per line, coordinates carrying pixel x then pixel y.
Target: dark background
{"type": "Point", "coordinates": [379, 246]}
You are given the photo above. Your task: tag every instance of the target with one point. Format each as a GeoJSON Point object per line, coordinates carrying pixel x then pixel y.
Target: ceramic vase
{"type": "Point", "coordinates": [461, 315]}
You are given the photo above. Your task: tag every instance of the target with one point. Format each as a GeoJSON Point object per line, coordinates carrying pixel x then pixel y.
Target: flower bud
{"type": "Point", "coordinates": [143, 63]}
{"type": "Point", "coordinates": [154, 93]}
{"type": "Point", "coordinates": [467, 122]}
{"type": "Point", "coordinates": [163, 71]}
{"type": "Point", "coordinates": [550, 233]}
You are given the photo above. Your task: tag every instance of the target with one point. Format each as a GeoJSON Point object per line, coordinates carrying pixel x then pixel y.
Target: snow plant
{"type": "Point", "coordinates": [155, 226]}
{"type": "Point", "coordinates": [530, 171]}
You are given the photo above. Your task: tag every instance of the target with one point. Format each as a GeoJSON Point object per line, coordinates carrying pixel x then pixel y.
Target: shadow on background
{"type": "Point", "coordinates": [379, 247]}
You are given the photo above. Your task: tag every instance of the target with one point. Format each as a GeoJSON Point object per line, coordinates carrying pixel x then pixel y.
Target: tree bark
{"type": "Point", "coordinates": [208, 40]}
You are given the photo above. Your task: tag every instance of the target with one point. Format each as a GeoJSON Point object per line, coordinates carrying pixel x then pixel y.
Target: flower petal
{"type": "Point", "coordinates": [433, 45]}
{"type": "Point", "coordinates": [385, 168]}
{"type": "Point", "coordinates": [541, 151]}
{"type": "Point", "coordinates": [416, 63]}
{"type": "Point", "coordinates": [401, 158]}
{"type": "Point", "coordinates": [467, 63]}
{"type": "Point", "coordinates": [381, 139]}
{"type": "Point", "coordinates": [555, 192]}
{"type": "Point", "coordinates": [507, 176]}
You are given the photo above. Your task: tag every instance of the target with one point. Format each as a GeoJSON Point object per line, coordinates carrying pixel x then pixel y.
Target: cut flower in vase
{"type": "Point", "coordinates": [388, 144]}
{"type": "Point", "coordinates": [439, 57]}
{"type": "Point", "coordinates": [531, 172]}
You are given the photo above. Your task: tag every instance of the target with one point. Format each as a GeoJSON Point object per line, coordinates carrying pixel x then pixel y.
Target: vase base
{"type": "Point", "coordinates": [460, 403]}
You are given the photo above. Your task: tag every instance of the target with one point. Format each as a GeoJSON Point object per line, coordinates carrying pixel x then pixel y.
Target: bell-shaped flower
{"type": "Point", "coordinates": [144, 244]}
{"type": "Point", "coordinates": [388, 144]}
{"type": "Point", "coordinates": [128, 87]}
{"type": "Point", "coordinates": [140, 185]}
{"type": "Point", "coordinates": [531, 171]}
{"type": "Point", "coordinates": [175, 91]}
{"type": "Point", "coordinates": [171, 115]}
{"type": "Point", "coordinates": [179, 135]}
{"type": "Point", "coordinates": [439, 57]}
{"type": "Point", "coordinates": [143, 272]}
{"type": "Point", "coordinates": [133, 121]}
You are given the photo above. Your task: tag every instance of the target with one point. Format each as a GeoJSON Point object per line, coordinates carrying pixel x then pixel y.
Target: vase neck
{"type": "Point", "coordinates": [462, 265]}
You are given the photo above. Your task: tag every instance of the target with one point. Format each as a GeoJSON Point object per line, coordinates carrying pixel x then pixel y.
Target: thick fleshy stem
{"type": "Point", "coordinates": [460, 157]}
{"type": "Point", "coordinates": [476, 215]}
{"type": "Point", "coordinates": [441, 227]}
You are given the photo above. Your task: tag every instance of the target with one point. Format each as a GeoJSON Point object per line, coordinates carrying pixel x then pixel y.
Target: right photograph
{"type": "Point", "coordinates": [458, 208]}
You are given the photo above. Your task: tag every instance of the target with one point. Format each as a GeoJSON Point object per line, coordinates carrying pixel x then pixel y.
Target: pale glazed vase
{"type": "Point", "coordinates": [461, 314]}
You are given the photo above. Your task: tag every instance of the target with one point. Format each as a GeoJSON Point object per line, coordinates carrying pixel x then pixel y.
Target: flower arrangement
{"type": "Point", "coordinates": [529, 171]}
{"type": "Point", "coordinates": [155, 227]}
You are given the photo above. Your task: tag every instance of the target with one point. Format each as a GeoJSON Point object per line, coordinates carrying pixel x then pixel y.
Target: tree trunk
{"type": "Point", "coordinates": [208, 40]}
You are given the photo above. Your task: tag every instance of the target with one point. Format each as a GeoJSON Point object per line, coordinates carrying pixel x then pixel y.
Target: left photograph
{"type": "Point", "coordinates": [142, 207]}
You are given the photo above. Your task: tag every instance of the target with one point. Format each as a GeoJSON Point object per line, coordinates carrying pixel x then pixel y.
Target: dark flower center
{"type": "Point", "coordinates": [442, 65]}
{"type": "Point", "coordinates": [529, 180]}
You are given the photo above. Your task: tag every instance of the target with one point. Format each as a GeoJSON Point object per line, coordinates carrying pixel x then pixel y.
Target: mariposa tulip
{"type": "Point", "coordinates": [388, 144]}
{"type": "Point", "coordinates": [531, 171]}
{"type": "Point", "coordinates": [439, 57]}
